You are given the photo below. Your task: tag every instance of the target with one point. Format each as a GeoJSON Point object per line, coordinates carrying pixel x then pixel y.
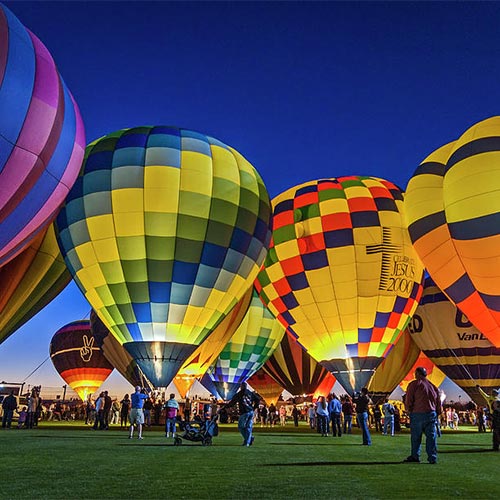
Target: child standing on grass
{"type": "Point", "coordinates": [21, 421]}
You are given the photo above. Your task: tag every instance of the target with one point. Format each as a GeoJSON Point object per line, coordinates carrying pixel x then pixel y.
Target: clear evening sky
{"type": "Point", "coordinates": [303, 90]}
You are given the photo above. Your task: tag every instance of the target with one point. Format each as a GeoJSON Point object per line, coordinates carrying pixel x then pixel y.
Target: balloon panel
{"type": "Point", "coordinates": [77, 356]}
{"type": "Point", "coordinates": [341, 272]}
{"type": "Point", "coordinates": [30, 281]}
{"type": "Point", "coordinates": [454, 344]}
{"type": "Point", "coordinates": [434, 374]}
{"type": "Point", "coordinates": [394, 367]}
{"type": "Point", "coordinates": [265, 386]}
{"type": "Point", "coordinates": [453, 211]}
{"type": "Point", "coordinates": [42, 137]}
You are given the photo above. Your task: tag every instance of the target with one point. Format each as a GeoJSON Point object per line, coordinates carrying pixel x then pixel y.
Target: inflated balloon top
{"type": "Point", "coordinates": [164, 231]}
{"type": "Point", "coordinates": [452, 205]}
{"type": "Point", "coordinates": [341, 272]}
{"type": "Point", "coordinates": [42, 138]}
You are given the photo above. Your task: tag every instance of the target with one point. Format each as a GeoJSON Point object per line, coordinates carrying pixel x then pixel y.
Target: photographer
{"type": "Point", "coordinates": [136, 412]}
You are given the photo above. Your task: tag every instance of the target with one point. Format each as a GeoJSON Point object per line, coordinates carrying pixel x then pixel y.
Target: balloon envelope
{"type": "Point", "coordinates": [164, 231]}
{"type": "Point", "coordinates": [255, 339]}
{"type": "Point", "coordinates": [434, 374]}
{"type": "Point", "coordinates": [454, 344]}
{"type": "Point", "coordinates": [341, 272]}
{"type": "Point", "coordinates": [265, 386]}
{"type": "Point", "coordinates": [77, 356]}
{"type": "Point", "coordinates": [294, 369]}
{"type": "Point", "coordinates": [453, 210]}
{"type": "Point", "coordinates": [393, 369]}
{"type": "Point", "coordinates": [30, 281]}
{"type": "Point", "coordinates": [42, 137]}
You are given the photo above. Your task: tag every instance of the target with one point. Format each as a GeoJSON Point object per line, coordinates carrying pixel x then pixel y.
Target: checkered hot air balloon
{"type": "Point", "coordinates": [77, 356]}
{"type": "Point", "coordinates": [30, 281]}
{"type": "Point", "coordinates": [447, 337]}
{"type": "Point", "coordinates": [256, 338]}
{"type": "Point", "coordinates": [341, 273]}
{"type": "Point", "coordinates": [452, 204]}
{"type": "Point", "coordinates": [164, 231]}
{"type": "Point", "coordinates": [42, 138]}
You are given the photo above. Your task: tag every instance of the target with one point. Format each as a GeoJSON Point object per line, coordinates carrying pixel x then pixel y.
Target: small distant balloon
{"type": "Point", "coordinates": [77, 356]}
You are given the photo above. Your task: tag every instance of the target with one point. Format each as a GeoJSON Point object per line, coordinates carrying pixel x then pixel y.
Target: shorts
{"type": "Point", "coordinates": [136, 416]}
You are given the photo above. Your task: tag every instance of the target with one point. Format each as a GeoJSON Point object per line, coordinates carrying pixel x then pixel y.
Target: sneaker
{"type": "Point", "coordinates": [130, 437]}
{"type": "Point", "coordinates": [411, 459]}
{"type": "Point", "coordinates": [140, 437]}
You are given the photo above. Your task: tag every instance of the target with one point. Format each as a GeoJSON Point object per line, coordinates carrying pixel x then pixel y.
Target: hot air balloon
{"type": "Point", "coordinates": [117, 355]}
{"type": "Point", "coordinates": [393, 369]}
{"type": "Point", "coordinates": [452, 205]}
{"type": "Point", "coordinates": [205, 355]}
{"type": "Point", "coordinates": [30, 281]}
{"type": "Point", "coordinates": [164, 232]}
{"type": "Point", "coordinates": [265, 386]}
{"type": "Point", "coordinates": [77, 356]}
{"type": "Point", "coordinates": [341, 273]}
{"type": "Point", "coordinates": [295, 370]}
{"type": "Point", "coordinates": [434, 374]}
{"type": "Point", "coordinates": [449, 339]}
{"type": "Point", "coordinates": [255, 339]}
{"type": "Point", "coordinates": [42, 137]}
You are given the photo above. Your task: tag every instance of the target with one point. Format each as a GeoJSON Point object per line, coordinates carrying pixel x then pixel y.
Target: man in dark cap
{"type": "Point", "coordinates": [423, 404]}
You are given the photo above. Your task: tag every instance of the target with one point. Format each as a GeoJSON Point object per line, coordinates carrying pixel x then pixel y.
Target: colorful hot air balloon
{"type": "Point", "coordinates": [341, 273]}
{"type": "Point", "coordinates": [164, 232]}
{"type": "Point", "coordinates": [42, 138]}
{"type": "Point", "coordinates": [205, 355]}
{"type": "Point", "coordinates": [77, 356]}
{"type": "Point", "coordinates": [393, 369]}
{"type": "Point", "coordinates": [452, 205]}
{"type": "Point", "coordinates": [295, 370]}
{"type": "Point", "coordinates": [30, 281]}
{"type": "Point", "coordinates": [450, 340]}
{"type": "Point", "coordinates": [116, 354]}
{"type": "Point", "coordinates": [255, 339]}
{"type": "Point", "coordinates": [265, 386]}
{"type": "Point", "coordinates": [434, 374]}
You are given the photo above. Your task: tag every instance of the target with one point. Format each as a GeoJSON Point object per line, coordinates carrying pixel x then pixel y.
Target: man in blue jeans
{"type": "Point", "coordinates": [423, 404]}
{"type": "Point", "coordinates": [247, 401]}
{"type": "Point", "coordinates": [363, 403]}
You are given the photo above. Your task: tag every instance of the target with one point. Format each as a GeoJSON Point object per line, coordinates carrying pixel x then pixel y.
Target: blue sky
{"type": "Point", "coordinates": [303, 90]}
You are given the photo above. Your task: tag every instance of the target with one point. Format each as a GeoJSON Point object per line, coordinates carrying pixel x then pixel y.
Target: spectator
{"type": "Point", "coordinates": [335, 411]}
{"type": "Point", "coordinates": [172, 407]}
{"type": "Point", "coordinates": [363, 403]}
{"type": "Point", "coordinates": [136, 413]}
{"type": "Point", "coordinates": [124, 409]}
{"type": "Point", "coordinates": [322, 416]}
{"type": "Point", "coordinates": [347, 410]}
{"type": "Point", "coordinates": [9, 406]}
{"type": "Point", "coordinates": [388, 410]}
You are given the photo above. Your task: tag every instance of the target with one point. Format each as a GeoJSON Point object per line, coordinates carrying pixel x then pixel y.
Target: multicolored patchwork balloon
{"type": "Point", "coordinates": [393, 368]}
{"type": "Point", "coordinates": [341, 273]}
{"type": "Point", "coordinates": [42, 137]}
{"type": "Point", "coordinates": [164, 231]}
{"type": "Point", "coordinates": [77, 356]}
{"type": "Point", "coordinates": [267, 388]}
{"type": "Point", "coordinates": [454, 344]}
{"type": "Point", "coordinates": [30, 281]}
{"type": "Point", "coordinates": [295, 370]}
{"type": "Point", "coordinates": [452, 204]}
{"type": "Point", "coordinates": [434, 374]}
{"type": "Point", "coordinates": [256, 338]}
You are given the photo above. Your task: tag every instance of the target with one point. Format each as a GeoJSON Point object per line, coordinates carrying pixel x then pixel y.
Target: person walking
{"type": "Point", "coordinates": [136, 413]}
{"type": "Point", "coordinates": [172, 408]}
{"type": "Point", "coordinates": [247, 401]}
{"type": "Point", "coordinates": [363, 403]}
{"type": "Point", "coordinates": [423, 404]}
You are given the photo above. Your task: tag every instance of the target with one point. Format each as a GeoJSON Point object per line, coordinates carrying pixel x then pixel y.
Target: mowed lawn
{"type": "Point", "coordinates": [72, 461]}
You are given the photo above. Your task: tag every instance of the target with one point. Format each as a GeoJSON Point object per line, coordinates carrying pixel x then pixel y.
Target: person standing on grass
{"type": "Point", "coordinates": [9, 406]}
{"type": "Point", "coordinates": [124, 409]}
{"type": "Point", "coordinates": [335, 411]}
{"type": "Point", "coordinates": [136, 413]}
{"type": "Point", "coordinates": [108, 402]}
{"type": "Point", "coordinates": [363, 403]}
{"type": "Point", "coordinates": [423, 404]}
{"type": "Point", "coordinates": [388, 410]}
{"type": "Point", "coordinates": [322, 416]}
{"type": "Point", "coordinates": [172, 407]}
{"type": "Point", "coordinates": [247, 401]}
{"type": "Point", "coordinates": [99, 413]}
{"type": "Point", "coordinates": [295, 415]}
{"type": "Point", "coordinates": [494, 407]}
{"type": "Point", "coordinates": [347, 410]}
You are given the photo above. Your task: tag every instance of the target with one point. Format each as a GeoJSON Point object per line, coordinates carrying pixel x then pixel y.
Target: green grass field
{"type": "Point", "coordinates": [72, 461]}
